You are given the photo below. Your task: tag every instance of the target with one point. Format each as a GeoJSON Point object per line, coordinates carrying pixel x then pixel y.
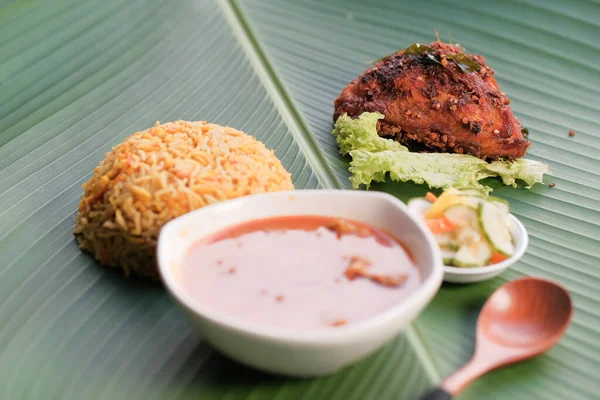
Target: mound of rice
{"type": "Point", "coordinates": [161, 173]}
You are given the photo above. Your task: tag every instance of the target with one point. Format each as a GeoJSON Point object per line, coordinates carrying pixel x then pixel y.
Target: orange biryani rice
{"type": "Point", "coordinates": [161, 173]}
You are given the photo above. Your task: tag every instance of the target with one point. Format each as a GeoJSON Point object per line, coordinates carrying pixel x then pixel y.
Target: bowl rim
{"type": "Point", "coordinates": [344, 334]}
{"type": "Point", "coordinates": [520, 249]}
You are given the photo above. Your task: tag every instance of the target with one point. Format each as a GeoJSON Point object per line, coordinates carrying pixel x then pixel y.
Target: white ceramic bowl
{"type": "Point", "coordinates": [469, 275]}
{"type": "Point", "coordinates": [297, 352]}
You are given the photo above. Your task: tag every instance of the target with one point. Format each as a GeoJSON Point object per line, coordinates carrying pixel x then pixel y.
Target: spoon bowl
{"type": "Point", "coordinates": [521, 319]}
{"type": "Point", "coordinates": [526, 313]}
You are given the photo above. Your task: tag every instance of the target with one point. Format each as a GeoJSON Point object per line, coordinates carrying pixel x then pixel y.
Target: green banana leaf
{"type": "Point", "coordinates": [77, 77]}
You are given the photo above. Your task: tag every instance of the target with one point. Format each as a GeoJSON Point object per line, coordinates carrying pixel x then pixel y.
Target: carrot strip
{"type": "Point", "coordinates": [440, 225]}
{"type": "Point", "coordinates": [431, 197]}
{"type": "Point", "coordinates": [497, 257]}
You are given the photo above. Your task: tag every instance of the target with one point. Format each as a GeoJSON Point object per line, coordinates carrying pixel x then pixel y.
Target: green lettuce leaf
{"type": "Point", "coordinates": [374, 158]}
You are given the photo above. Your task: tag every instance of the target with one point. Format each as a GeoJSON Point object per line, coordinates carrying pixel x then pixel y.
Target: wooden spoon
{"type": "Point", "coordinates": [521, 319]}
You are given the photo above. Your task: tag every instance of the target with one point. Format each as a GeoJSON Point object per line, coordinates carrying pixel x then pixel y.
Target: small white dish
{"type": "Point", "coordinates": [297, 352]}
{"type": "Point", "coordinates": [478, 274]}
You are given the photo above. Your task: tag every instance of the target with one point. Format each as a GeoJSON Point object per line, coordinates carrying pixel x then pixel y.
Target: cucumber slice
{"type": "Point", "coordinates": [473, 201]}
{"type": "Point", "coordinates": [448, 256]}
{"type": "Point", "coordinates": [447, 240]}
{"type": "Point", "coordinates": [443, 202]}
{"type": "Point", "coordinates": [469, 234]}
{"type": "Point", "coordinates": [462, 215]}
{"type": "Point", "coordinates": [472, 192]}
{"type": "Point", "coordinates": [476, 254]}
{"type": "Point", "coordinates": [503, 204]}
{"type": "Point", "coordinates": [495, 226]}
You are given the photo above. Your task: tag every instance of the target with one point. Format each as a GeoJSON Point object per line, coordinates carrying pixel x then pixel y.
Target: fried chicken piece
{"type": "Point", "coordinates": [435, 98]}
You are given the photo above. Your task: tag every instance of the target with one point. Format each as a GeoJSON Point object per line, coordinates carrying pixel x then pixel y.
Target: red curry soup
{"type": "Point", "coordinates": [300, 272]}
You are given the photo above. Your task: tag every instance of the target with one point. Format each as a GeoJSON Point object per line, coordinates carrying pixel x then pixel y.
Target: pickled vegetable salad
{"type": "Point", "coordinates": [471, 228]}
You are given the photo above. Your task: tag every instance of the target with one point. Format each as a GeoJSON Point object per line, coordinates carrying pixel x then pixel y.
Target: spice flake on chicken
{"type": "Point", "coordinates": [436, 98]}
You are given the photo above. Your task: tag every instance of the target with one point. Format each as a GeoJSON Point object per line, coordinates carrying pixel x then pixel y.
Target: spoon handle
{"type": "Point", "coordinates": [437, 394]}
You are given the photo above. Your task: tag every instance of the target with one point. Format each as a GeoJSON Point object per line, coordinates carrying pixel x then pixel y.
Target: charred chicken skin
{"type": "Point", "coordinates": [435, 98]}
